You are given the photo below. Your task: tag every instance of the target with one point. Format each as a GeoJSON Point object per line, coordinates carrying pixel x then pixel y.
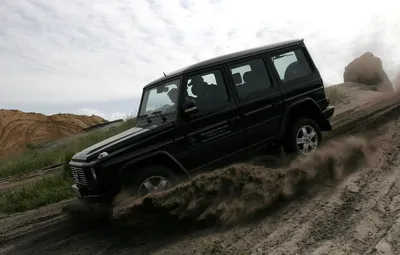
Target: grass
{"type": "Point", "coordinates": [37, 157]}
{"type": "Point", "coordinates": [54, 188]}
{"type": "Point", "coordinates": [49, 190]}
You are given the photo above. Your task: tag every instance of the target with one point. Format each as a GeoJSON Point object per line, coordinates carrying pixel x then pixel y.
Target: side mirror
{"type": "Point", "coordinates": [190, 108]}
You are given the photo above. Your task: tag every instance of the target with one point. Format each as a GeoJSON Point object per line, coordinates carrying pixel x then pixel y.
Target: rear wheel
{"type": "Point", "coordinates": [303, 137]}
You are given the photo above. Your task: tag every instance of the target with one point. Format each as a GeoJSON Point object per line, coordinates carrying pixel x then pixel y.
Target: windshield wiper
{"type": "Point", "coordinates": [146, 117]}
{"type": "Point", "coordinates": [159, 113]}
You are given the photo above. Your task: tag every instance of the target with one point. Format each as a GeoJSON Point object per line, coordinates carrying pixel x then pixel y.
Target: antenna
{"type": "Point", "coordinates": [164, 74]}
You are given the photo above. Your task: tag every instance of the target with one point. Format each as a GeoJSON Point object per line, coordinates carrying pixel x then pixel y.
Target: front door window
{"type": "Point", "coordinates": [207, 89]}
{"type": "Point", "coordinates": [162, 98]}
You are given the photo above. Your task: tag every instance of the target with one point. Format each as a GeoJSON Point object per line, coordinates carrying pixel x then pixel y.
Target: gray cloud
{"type": "Point", "coordinates": [77, 51]}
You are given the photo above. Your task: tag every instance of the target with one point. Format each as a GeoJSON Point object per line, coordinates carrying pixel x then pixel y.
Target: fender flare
{"type": "Point", "coordinates": [285, 119]}
{"type": "Point", "coordinates": [137, 160]}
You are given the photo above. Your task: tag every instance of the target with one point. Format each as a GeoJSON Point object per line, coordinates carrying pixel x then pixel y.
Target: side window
{"type": "Point", "coordinates": [291, 65]}
{"type": "Point", "coordinates": [250, 76]}
{"type": "Point", "coordinates": [207, 89]}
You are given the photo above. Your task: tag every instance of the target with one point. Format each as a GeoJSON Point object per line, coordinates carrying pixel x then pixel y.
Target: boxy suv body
{"type": "Point", "coordinates": [206, 113]}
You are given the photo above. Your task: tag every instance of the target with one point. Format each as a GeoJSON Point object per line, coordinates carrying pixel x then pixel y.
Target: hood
{"type": "Point", "coordinates": [111, 144]}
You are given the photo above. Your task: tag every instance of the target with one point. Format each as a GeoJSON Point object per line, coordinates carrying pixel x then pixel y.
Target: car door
{"type": "Point", "coordinates": [216, 130]}
{"type": "Point", "coordinates": [259, 97]}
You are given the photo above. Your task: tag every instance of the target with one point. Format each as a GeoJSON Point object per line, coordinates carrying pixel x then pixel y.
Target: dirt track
{"type": "Point", "coordinates": [358, 215]}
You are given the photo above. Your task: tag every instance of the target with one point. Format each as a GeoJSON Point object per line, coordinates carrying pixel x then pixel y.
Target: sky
{"type": "Point", "coordinates": [94, 57]}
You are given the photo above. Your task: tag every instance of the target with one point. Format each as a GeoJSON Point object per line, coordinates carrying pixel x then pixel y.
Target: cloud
{"type": "Point", "coordinates": [78, 51]}
{"type": "Point", "coordinates": [108, 116]}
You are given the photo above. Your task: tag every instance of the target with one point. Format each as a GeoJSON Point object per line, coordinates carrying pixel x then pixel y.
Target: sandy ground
{"type": "Point", "coordinates": [17, 128]}
{"type": "Point", "coordinates": [343, 200]}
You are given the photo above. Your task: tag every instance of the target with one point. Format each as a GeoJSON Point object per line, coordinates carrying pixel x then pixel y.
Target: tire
{"type": "Point", "coordinates": [295, 131]}
{"type": "Point", "coordinates": [156, 177]}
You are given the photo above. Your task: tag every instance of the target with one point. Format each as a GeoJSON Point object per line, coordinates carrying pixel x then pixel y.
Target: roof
{"type": "Point", "coordinates": [227, 57]}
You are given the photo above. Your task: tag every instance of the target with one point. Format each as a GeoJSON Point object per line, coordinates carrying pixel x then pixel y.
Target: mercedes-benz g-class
{"type": "Point", "coordinates": [208, 112]}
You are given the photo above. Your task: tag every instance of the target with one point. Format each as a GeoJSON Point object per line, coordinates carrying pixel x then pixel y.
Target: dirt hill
{"type": "Point", "coordinates": [368, 69]}
{"type": "Point", "coordinates": [19, 129]}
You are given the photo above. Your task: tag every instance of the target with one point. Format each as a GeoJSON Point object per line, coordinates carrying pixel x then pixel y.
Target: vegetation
{"type": "Point", "coordinates": [49, 190]}
{"type": "Point", "coordinates": [53, 188]}
{"type": "Point", "coordinates": [40, 156]}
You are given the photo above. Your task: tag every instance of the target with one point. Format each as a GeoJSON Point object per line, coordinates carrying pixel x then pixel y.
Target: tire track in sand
{"type": "Point", "coordinates": [316, 230]}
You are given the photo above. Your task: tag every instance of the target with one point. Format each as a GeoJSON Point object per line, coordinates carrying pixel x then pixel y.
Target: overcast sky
{"type": "Point", "coordinates": [84, 56]}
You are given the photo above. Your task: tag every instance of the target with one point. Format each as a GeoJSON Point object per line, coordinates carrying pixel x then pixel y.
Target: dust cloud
{"type": "Point", "coordinates": [238, 191]}
{"type": "Point", "coordinates": [396, 82]}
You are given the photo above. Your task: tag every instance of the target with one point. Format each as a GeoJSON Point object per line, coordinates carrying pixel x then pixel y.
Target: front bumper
{"type": "Point", "coordinates": [328, 112]}
{"type": "Point", "coordinates": [93, 198]}
{"type": "Point", "coordinates": [76, 191]}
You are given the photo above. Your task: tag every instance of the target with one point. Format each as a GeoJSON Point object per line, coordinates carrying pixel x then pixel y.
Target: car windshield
{"type": "Point", "coordinates": [162, 98]}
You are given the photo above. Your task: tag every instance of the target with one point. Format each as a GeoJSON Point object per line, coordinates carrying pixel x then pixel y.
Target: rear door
{"type": "Point", "coordinates": [216, 130]}
{"type": "Point", "coordinates": [259, 97]}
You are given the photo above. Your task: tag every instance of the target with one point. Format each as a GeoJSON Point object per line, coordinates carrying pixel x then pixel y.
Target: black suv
{"type": "Point", "coordinates": [201, 115]}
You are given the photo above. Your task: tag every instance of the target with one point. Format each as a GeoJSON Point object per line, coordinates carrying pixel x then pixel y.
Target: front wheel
{"type": "Point", "coordinates": [303, 137]}
{"type": "Point", "coordinates": [152, 179]}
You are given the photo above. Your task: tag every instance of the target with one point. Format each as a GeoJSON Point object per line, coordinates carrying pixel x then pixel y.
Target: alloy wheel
{"type": "Point", "coordinates": [153, 184]}
{"type": "Point", "coordinates": [307, 139]}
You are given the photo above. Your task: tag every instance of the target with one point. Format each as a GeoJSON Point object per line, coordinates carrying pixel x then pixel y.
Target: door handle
{"type": "Point", "coordinates": [234, 119]}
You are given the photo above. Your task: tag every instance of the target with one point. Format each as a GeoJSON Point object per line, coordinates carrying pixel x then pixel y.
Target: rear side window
{"type": "Point", "coordinates": [291, 65]}
{"type": "Point", "coordinates": [250, 76]}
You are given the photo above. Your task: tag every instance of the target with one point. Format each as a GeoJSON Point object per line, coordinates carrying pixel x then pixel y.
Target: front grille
{"type": "Point", "coordinates": [78, 175]}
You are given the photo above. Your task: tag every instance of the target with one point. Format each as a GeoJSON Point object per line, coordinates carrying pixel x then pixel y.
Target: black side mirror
{"type": "Point", "coordinates": [190, 108]}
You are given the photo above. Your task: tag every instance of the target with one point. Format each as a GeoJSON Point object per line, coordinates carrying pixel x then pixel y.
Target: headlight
{"type": "Point", "coordinates": [93, 173]}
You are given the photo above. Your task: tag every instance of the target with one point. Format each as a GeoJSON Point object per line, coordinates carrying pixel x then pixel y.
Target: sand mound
{"type": "Point", "coordinates": [236, 192]}
{"type": "Point", "coordinates": [348, 96]}
{"type": "Point", "coordinates": [367, 69]}
{"type": "Point", "coordinates": [18, 129]}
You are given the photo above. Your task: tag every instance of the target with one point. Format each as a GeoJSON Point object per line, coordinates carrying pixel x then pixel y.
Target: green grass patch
{"type": "Point", "coordinates": [37, 157]}
{"type": "Point", "coordinates": [49, 190]}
